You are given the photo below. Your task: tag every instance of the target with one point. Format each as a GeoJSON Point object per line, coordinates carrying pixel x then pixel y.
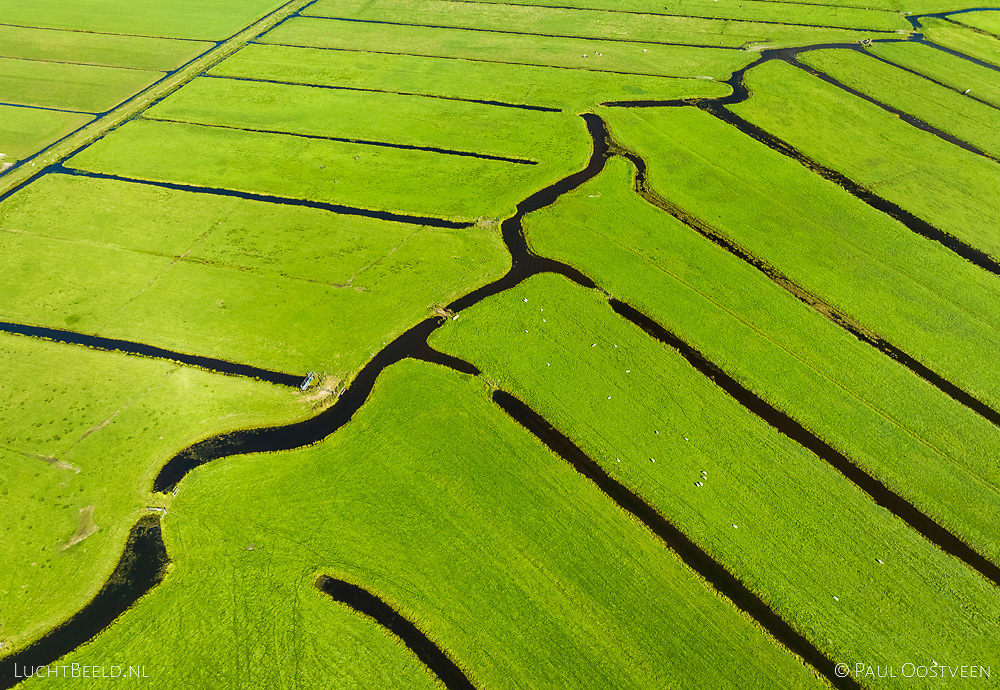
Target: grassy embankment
{"type": "Point", "coordinates": [947, 34]}
{"type": "Point", "coordinates": [929, 448]}
{"type": "Point", "coordinates": [281, 287]}
{"type": "Point", "coordinates": [571, 89]}
{"type": "Point", "coordinates": [784, 522]}
{"type": "Point", "coordinates": [943, 67]}
{"type": "Point", "coordinates": [84, 433]}
{"type": "Point", "coordinates": [591, 24]}
{"type": "Point", "coordinates": [437, 502]}
{"type": "Point", "coordinates": [970, 121]}
{"type": "Point", "coordinates": [924, 299]}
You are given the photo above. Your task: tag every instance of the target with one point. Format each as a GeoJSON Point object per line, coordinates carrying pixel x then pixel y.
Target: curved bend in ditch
{"type": "Point", "coordinates": [717, 108]}
{"type": "Point", "coordinates": [141, 567]}
{"type": "Point", "coordinates": [364, 602]}
{"type": "Point", "coordinates": [412, 343]}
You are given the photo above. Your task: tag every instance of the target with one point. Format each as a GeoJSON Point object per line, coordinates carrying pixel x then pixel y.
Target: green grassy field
{"type": "Point", "coordinates": [423, 183]}
{"type": "Point", "coordinates": [553, 138]}
{"type": "Point", "coordinates": [431, 497]}
{"type": "Point", "coordinates": [508, 558]}
{"type": "Point", "coordinates": [826, 14]}
{"type": "Point", "coordinates": [947, 34]}
{"type": "Point", "coordinates": [174, 19]}
{"type": "Point", "coordinates": [97, 49]}
{"type": "Point", "coordinates": [86, 88]}
{"type": "Point", "coordinates": [584, 365]}
{"type": "Point", "coordinates": [556, 21]}
{"type": "Point", "coordinates": [573, 53]}
{"type": "Point", "coordinates": [86, 431]}
{"type": "Point", "coordinates": [25, 130]}
{"type": "Point", "coordinates": [519, 84]}
{"type": "Point", "coordinates": [951, 112]}
{"type": "Point", "coordinates": [920, 296]}
{"type": "Point", "coordinates": [984, 21]}
{"type": "Point", "coordinates": [279, 287]}
{"type": "Point", "coordinates": [940, 66]}
{"type": "Point", "coordinates": [917, 440]}
{"type": "Point", "coordinates": [946, 186]}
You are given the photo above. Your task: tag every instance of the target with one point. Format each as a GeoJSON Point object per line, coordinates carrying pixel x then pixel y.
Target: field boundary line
{"type": "Point", "coordinates": [932, 80]}
{"type": "Point", "coordinates": [909, 119]}
{"type": "Point", "coordinates": [54, 110]}
{"type": "Point", "coordinates": [714, 573]}
{"type": "Point", "coordinates": [84, 64]}
{"type": "Point", "coordinates": [602, 9]}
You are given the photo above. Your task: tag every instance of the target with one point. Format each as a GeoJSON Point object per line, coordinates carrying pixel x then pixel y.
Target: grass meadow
{"type": "Point", "coordinates": [540, 86]}
{"type": "Point", "coordinates": [109, 50]}
{"type": "Point", "coordinates": [945, 68]}
{"type": "Point", "coordinates": [509, 560]}
{"type": "Point", "coordinates": [937, 181]}
{"type": "Point", "coordinates": [218, 280]}
{"type": "Point", "coordinates": [307, 181]}
{"type": "Point", "coordinates": [912, 292]}
{"type": "Point", "coordinates": [656, 424]}
{"type": "Point", "coordinates": [924, 445]}
{"type": "Point", "coordinates": [84, 433]}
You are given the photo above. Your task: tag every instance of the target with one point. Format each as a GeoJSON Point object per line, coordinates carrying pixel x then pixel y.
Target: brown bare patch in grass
{"type": "Point", "coordinates": [325, 392]}
{"type": "Point", "coordinates": [86, 528]}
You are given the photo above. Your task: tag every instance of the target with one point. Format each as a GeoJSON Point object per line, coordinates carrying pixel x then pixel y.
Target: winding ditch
{"type": "Point", "coordinates": [142, 566]}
